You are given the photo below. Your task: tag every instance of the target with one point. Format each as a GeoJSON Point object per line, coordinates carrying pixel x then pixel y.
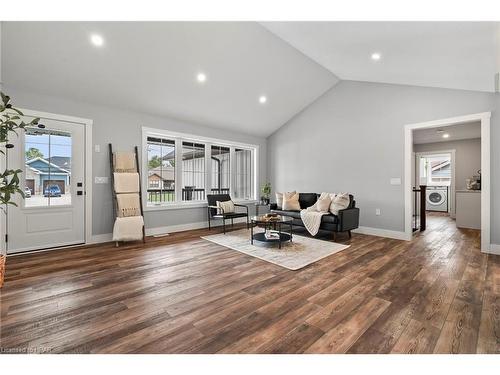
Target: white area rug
{"type": "Point", "coordinates": [292, 255]}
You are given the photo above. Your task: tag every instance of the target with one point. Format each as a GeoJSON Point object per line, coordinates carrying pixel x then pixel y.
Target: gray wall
{"type": "Point", "coordinates": [123, 128]}
{"type": "Point", "coordinates": [467, 157]}
{"type": "Point", "coordinates": [352, 139]}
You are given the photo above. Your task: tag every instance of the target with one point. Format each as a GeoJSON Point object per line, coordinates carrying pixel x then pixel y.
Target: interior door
{"type": "Point", "coordinates": [53, 163]}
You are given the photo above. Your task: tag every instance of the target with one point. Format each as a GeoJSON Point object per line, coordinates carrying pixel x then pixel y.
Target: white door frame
{"type": "Point", "coordinates": [484, 117]}
{"type": "Point", "coordinates": [451, 192]}
{"type": "Point", "coordinates": [88, 159]}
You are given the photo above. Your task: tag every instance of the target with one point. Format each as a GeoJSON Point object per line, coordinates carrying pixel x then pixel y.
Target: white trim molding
{"type": "Point", "coordinates": [88, 123]}
{"type": "Point", "coordinates": [108, 237]}
{"type": "Point", "coordinates": [494, 249]}
{"type": "Point", "coordinates": [208, 142]}
{"type": "Point", "coordinates": [397, 235]}
{"type": "Point", "coordinates": [484, 118]}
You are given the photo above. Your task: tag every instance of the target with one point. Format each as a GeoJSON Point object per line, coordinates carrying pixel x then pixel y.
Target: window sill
{"type": "Point", "coordinates": [189, 205]}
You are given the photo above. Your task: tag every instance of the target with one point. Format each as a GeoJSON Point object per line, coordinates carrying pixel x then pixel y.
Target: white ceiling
{"type": "Point", "coordinates": [151, 67]}
{"type": "Point", "coordinates": [457, 132]}
{"type": "Point", "coordinates": [457, 55]}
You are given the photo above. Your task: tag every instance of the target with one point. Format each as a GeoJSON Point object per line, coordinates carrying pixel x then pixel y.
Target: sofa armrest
{"type": "Point", "coordinates": [348, 219]}
{"type": "Point", "coordinates": [273, 206]}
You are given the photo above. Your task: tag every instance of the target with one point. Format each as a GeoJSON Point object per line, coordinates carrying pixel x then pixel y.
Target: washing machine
{"type": "Point", "coordinates": [436, 198]}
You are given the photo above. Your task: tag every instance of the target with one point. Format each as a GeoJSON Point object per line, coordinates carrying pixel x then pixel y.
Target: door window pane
{"type": "Point", "coordinates": [161, 170]}
{"type": "Point", "coordinates": [47, 167]}
{"type": "Point", "coordinates": [193, 171]}
{"type": "Point", "coordinates": [220, 170]}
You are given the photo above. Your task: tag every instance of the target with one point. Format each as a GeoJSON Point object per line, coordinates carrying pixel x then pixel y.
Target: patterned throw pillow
{"type": "Point", "coordinates": [291, 201]}
{"type": "Point", "coordinates": [226, 206]}
{"type": "Point", "coordinates": [339, 202]}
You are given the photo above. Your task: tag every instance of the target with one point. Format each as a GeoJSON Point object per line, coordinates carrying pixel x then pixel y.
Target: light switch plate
{"type": "Point", "coordinates": [101, 180]}
{"type": "Point", "coordinates": [395, 181]}
{"type": "Point", "coordinates": [97, 148]}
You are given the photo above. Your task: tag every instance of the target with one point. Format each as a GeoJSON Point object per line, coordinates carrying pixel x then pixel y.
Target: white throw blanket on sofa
{"type": "Point", "coordinates": [312, 219]}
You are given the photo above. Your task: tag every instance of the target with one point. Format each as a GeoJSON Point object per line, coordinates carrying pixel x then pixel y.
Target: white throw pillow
{"type": "Point", "coordinates": [339, 202]}
{"type": "Point", "coordinates": [279, 199]}
{"type": "Point", "coordinates": [291, 201]}
{"type": "Point", "coordinates": [226, 207]}
{"type": "Point", "coordinates": [323, 203]}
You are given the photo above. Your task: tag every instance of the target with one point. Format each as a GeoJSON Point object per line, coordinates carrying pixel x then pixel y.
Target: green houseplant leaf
{"type": "Point", "coordinates": [10, 124]}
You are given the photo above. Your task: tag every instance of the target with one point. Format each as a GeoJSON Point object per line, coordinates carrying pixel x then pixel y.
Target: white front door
{"type": "Point", "coordinates": [52, 161]}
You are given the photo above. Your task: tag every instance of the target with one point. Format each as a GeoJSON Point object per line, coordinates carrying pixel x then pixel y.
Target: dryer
{"type": "Point", "coordinates": [436, 198]}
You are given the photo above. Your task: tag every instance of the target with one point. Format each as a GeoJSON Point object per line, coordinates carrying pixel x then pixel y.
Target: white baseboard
{"type": "Point", "coordinates": [108, 237]}
{"type": "Point", "coordinates": [494, 249]}
{"type": "Point", "coordinates": [100, 238]}
{"type": "Point", "coordinates": [382, 233]}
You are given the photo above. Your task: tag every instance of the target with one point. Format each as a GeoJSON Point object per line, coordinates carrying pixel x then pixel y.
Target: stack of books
{"type": "Point", "coordinates": [272, 235]}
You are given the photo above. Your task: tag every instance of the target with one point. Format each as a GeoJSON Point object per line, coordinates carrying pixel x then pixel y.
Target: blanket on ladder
{"type": "Point", "coordinates": [312, 219]}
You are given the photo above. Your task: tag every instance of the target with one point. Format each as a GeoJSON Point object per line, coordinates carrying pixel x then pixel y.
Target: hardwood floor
{"type": "Point", "coordinates": [182, 294]}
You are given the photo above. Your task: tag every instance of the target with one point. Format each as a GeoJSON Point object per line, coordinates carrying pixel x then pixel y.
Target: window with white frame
{"type": "Point", "coordinates": [203, 166]}
{"type": "Point", "coordinates": [161, 170]}
{"type": "Point", "coordinates": [436, 169]}
{"type": "Point", "coordinates": [193, 171]}
{"type": "Point", "coordinates": [221, 169]}
{"type": "Point", "coordinates": [243, 181]}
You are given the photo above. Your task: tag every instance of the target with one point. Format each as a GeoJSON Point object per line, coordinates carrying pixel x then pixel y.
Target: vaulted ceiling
{"type": "Point", "coordinates": [456, 55]}
{"type": "Point", "coordinates": [152, 67]}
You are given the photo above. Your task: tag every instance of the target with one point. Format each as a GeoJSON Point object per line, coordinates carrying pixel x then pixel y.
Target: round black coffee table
{"type": "Point", "coordinates": [274, 224]}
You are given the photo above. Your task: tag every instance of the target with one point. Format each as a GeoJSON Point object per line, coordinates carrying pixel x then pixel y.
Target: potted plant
{"type": "Point", "coordinates": [10, 122]}
{"type": "Point", "coordinates": [266, 192]}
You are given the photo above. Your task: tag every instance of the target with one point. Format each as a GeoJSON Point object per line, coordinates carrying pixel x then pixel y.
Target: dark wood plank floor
{"type": "Point", "coordinates": [182, 294]}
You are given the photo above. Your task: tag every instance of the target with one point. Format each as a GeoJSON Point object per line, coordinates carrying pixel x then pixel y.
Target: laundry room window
{"type": "Point", "coordinates": [436, 169]}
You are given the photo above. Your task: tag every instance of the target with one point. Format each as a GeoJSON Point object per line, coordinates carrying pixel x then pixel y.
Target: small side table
{"type": "Point", "coordinates": [257, 205]}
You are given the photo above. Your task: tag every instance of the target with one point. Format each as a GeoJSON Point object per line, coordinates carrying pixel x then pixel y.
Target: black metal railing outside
{"type": "Point", "coordinates": [188, 194]}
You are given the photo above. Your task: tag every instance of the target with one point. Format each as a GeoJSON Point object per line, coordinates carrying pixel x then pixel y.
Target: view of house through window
{"type": "Point", "coordinates": [205, 168]}
{"type": "Point", "coordinates": [161, 170]}
{"type": "Point", "coordinates": [47, 168]}
{"type": "Point", "coordinates": [436, 169]}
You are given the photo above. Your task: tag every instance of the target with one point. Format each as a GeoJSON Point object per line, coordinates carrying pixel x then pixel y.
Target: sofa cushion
{"type": "Point", "coordinates": [281, 196]}
{"type": "Point", "coordinates": [307, 199]}
{"type": "Point", "coordinates": [291, 202]}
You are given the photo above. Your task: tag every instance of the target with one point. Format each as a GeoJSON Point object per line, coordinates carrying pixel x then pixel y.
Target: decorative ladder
{"type": "Point", "coordinates": [121, 214]}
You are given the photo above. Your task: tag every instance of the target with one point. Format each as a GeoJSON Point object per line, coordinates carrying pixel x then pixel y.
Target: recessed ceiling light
{"type": "Point", "coordinates": [446, 135]}
{"type": "Point", "coordinates": [262, 99]}
{"type": "Point", "coordinates": [201, 77]}
{"type": "Point", "coordinates": [376, 56]}
{"type": "Point", "coordinates": [97, 40]}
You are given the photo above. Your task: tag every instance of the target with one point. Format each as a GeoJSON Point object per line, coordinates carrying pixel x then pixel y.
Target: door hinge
{"type": "Point", "coordinates": [6, 238]}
